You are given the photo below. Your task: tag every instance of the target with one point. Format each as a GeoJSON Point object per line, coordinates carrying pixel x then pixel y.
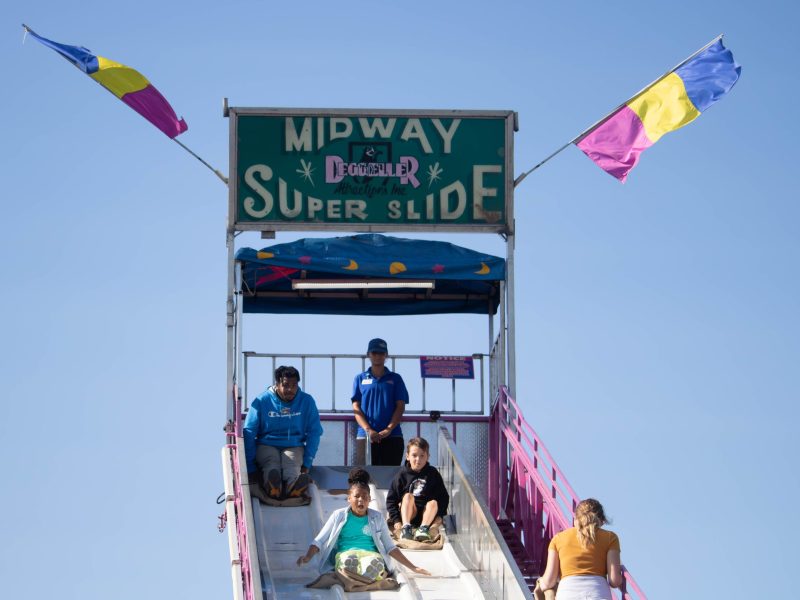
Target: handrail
{"type": "Point", "coordinates": [559, 486]}
{"type": "Point", "coordinates": [233, 433]}
{"type": "Point", "coordinates": [486, 551]}
{"type": "Point", "coordinates": [419, 394]}
{"type": "Point", "coordinates": [527, 487]}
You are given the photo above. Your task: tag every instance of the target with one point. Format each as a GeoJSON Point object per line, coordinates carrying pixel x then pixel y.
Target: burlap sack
{"type": "Point", "coordinates": [352, 582]}
{"type": "Point", "coordinates": [257, 491]}
{"type": "Point", "coordinates": [435, 543]}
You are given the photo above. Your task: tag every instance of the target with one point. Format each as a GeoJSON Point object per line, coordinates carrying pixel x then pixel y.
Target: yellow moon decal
{"type": "Point", "coordinates": [352, 266]}
{"type": "Point", "coordinates": [264, 255]}
{"type": "Point", "coordinates": [483, 270]}
{"type": "Point", "coordinates": [397, 267]}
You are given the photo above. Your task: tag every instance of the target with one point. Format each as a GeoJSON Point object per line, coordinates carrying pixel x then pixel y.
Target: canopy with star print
{"type": "Point", "coordinates": [461, 280]}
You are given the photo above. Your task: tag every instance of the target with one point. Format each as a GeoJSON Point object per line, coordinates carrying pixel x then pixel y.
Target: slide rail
{"type": "Point", "coordinates": [244, 558]}
{"type": "Point", "coordinates": [478, 537]}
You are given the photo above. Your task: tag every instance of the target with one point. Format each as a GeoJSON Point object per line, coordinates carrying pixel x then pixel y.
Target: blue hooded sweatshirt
{"type": "Point", "coordinates": [273, 422]}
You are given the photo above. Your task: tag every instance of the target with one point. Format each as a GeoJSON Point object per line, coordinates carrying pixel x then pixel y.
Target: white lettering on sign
{"type": "Point", "coordinates": [355, 208]}
{"type": "Point", "coordinates": [429, 207]}
{"type": "Point", "coordinates": [250, 179]}
{"type": "Point", "coordinates": [297, 141]}
{"type": "Point", "coordinates": [413, 129]}
{"type": "Point", "coordinates": [444, 201]}
{"type": "Point", "coordinates": [377, 125]}
{"type": "Point", "coordinates": [345, 131]}
{"type": "Point", "coordinates": [447, 134]}
{"type": "Point", "coordinates": [292, 203]}
{"type": "Point", "coordinates": [283, 202]}
{"type": "Point", "coordinates": [315, 205]}
{"type": "Point", "coordinates": [334, 210]}
{"type": "Point", "coordinates": [479, 192]}
{"type": "Point", "coordinates": [342, 128]}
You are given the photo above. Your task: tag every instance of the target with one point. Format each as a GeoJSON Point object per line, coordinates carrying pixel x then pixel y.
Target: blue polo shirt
{"type": "Point", "coordinates": [378, 398]}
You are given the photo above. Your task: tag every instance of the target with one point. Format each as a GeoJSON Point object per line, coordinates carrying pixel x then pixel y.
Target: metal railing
{"type": "Point", "coordinates": [480, 543]}
{"type": "Point", "coordinates": [244, 570]}
{"type": "Point", "coordinates": [527, 487]}
{"type": "Point", "coordinates": [326, 394]}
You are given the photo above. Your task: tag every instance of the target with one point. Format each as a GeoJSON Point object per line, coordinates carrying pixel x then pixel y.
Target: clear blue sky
{"type": "Point", "coordinates": [658, 321]}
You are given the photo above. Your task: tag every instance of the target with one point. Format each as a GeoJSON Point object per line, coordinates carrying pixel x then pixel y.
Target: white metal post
{"type": "Point", "coordinates": [512, 354]}
{"type": "Point", "coordinates": [237, 339]}
{"type": "Point", "coordinates": [231, 327]}
{"type": "Point", "coordinates": [502, 337]}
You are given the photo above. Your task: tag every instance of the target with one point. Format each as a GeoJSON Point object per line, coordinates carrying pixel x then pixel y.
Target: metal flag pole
{"type": "Point", "coordinates": [26, 30]}
{"type": "Point", "coordinates": [215, 171]}
{"type": "Point", "coordinates": [595, 125]}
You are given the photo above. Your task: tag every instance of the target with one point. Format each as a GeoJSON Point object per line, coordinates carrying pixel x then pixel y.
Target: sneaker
{"type": "Point", "coordinates": [274, 484]}
{"type": "Point", "coordinates": [405, 533]}
{"type": "Point", "coordinates": [300, 486]}
{"type": "Point", "coordinates": [351, 563]}
{"type": "Point", "coordinates": [374, 569]}
{"type": "Point", "coordinates": [423, 534]}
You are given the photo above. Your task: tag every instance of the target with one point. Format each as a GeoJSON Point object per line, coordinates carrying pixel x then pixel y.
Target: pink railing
{"type": "Point", "coordinates": [527, 488]}
{"type": "Point", "coordinates": [232, 432]}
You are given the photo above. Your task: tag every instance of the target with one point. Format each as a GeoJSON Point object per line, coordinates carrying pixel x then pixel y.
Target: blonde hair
{"type": "Point", "coordinates": [589, 517]}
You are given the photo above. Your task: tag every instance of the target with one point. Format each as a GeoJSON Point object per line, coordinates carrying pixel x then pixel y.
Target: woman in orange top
{"type": "Point", "coordinates": [586, 556]}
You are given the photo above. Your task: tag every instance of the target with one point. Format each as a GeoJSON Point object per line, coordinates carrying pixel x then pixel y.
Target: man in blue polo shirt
{"type": "Point", "coordinates": [379, 400]}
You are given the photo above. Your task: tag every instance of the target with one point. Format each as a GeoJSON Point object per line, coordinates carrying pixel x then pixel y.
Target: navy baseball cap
{"type": "Point", "coordinates": [377, 345]}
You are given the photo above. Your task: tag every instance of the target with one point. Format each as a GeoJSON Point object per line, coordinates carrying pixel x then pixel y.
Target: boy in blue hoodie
{"type": "Point", "coordinates": [281, 435]}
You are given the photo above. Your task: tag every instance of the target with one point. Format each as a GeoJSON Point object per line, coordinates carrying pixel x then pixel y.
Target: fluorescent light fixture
{"type": "Point", "coordinates": [373, 284]}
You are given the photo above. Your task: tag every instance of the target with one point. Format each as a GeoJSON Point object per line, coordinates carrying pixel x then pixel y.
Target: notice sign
{"type": "Point", "coordinates": [369, 170]}
{"type": "Point", "coordinates": [446, 367]}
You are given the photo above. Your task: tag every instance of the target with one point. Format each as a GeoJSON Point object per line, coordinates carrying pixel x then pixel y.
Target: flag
{"type": "Point", "coordinates": [671, 102]}
{"type": "Point", "coordinates": [125, 83]}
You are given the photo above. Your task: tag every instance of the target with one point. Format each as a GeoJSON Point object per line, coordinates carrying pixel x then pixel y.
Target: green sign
{"type": "Point", "coordinates": [370, 170]}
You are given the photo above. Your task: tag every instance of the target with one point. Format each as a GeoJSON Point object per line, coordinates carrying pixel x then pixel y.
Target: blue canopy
{"type": "Point", "coordinates": [463, 281]}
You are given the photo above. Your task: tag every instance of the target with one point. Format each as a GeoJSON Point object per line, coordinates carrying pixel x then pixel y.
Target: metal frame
{"type": "Point", "coordinates": [247, 355]}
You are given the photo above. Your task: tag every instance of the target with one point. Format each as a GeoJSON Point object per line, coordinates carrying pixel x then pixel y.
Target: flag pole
{"type": "Point", "coordinates": [215, 171]}
{"type": "Point", "coordinates": [595, 125]}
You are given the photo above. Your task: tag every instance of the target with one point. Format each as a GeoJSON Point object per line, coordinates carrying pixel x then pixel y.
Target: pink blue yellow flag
{"type": "Point", "coordinates": [671, 102]}
{"type": "Point", "coordinates": [125, 83]}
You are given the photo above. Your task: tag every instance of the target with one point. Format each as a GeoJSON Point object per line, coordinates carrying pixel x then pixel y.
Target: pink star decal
{"type": "Point", "coordinates": [275, 273]}
{"type": "Point", "coordinates": [437, 268]}
{"type": "Point", "coordinates": [305, 260]}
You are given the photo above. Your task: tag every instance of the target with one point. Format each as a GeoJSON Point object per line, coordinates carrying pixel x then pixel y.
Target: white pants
{"type": "Point", "coordinates": [287, 461]}
{"type": "Point", "coordinates": [583, 587]}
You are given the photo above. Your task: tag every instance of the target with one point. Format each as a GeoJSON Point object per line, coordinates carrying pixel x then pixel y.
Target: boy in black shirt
{"type": "Point", "coordinates": [417, 495]}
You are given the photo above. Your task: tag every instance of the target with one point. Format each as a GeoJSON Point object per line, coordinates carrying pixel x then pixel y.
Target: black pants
{"type": "Point", "coordinates": [389, 452]}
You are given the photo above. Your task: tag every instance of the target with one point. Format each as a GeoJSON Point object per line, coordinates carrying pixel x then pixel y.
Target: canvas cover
{"type": "Point", "coordinates": [464, 281]}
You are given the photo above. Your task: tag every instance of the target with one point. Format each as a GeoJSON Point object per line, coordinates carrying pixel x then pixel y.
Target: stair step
{"type": "Point", "coordinates": [526, 565]}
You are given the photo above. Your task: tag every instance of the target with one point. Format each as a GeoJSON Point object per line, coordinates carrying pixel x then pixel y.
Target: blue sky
{"type": "Point", "coordinates": [658, 322]}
